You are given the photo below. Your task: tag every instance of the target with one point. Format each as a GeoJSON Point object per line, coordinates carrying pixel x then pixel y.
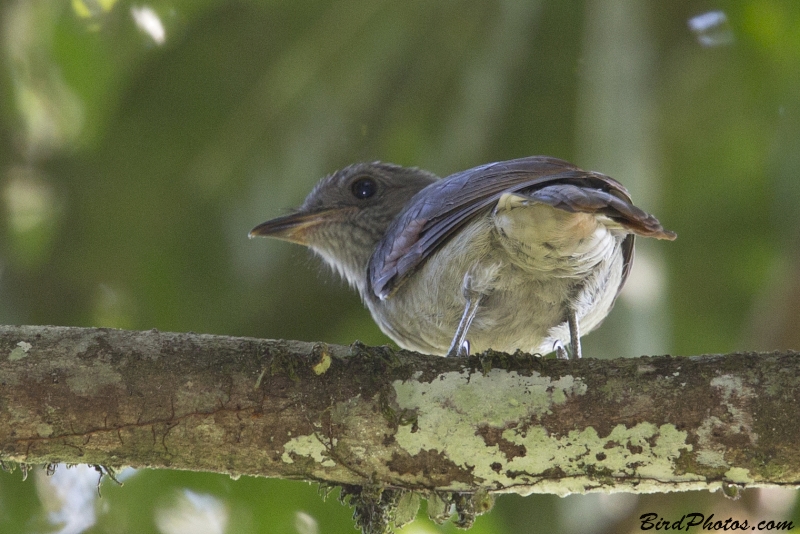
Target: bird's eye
{"type": "Point", "coordinates": [364, 188]}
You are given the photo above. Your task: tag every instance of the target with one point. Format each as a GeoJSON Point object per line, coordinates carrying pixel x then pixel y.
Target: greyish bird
{"type": "Point", "coordinates": [524, 254]}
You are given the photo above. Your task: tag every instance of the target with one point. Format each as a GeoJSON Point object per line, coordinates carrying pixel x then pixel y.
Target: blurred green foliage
{"type": "Point", "coordinates": [140, 142]}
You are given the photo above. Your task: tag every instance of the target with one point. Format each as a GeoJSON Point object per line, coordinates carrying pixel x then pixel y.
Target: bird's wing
{"type": "Point", "coordinates": [439, 210]}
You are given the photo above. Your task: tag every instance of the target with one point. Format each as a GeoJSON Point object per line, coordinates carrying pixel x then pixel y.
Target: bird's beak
{"type": "Point", "coordinates": [297, 227]}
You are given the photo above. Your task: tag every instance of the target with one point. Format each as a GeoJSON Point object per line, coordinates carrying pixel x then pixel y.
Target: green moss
{"type": "Point", "coordinates": [506, 400]}
{"type": "Point", "coordinates": [307, 446]}
{"type": "Point", "coordinates": [738, 475]}
{"type": "Point", "coordinates": [283, 363]}
{"type": "Point", "coordinates": [20, 351]}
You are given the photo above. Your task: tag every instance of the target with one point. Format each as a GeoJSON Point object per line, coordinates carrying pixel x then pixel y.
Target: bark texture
{"type": "Point", "coordinates": [379, 417]}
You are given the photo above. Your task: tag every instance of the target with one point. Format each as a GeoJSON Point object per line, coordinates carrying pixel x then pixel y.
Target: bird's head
{"type": "Point", "coordinates": [347, 214]}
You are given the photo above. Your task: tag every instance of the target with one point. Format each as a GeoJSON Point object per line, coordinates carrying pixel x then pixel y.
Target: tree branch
{"type": "Point", "coordinates": [379, 417]}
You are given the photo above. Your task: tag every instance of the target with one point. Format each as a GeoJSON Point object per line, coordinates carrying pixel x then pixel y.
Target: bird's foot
{"type": "Point", "coordinates": [561, 352]}
{"type": "Point", "coordinates": [462, 351]}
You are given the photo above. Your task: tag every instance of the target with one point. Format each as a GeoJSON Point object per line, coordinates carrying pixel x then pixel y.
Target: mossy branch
{"type": "Point", "coordinates": [376, 417]}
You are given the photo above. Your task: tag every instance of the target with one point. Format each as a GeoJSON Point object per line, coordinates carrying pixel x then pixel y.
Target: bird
{"type": "Point", "coordinates": [521, 255]}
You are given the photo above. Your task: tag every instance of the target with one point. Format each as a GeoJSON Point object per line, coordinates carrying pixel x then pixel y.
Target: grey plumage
{"type": "Point", "coordinates": [524, 254]}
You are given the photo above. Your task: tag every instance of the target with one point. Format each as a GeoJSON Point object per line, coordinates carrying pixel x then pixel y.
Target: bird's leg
{"type": "Point", "coordinates": [574, 335]}
{"type": "Point", "coordinates": [460, 346]}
